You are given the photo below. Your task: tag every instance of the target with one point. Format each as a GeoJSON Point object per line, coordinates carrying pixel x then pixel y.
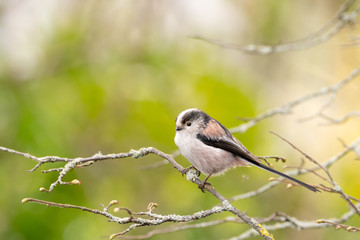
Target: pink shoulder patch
{"type": "Point", "coordinates": [213, 129]}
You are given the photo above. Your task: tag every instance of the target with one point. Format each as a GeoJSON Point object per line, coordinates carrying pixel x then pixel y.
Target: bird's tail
{"type": "Point", "coordinates": [267, 168]}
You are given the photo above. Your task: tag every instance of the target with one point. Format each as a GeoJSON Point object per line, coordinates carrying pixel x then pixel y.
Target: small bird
{"type": "Point", "coordinates": [212, 149]}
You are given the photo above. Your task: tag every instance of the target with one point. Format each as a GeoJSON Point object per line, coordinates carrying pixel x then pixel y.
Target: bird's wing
{"type": "Point", "coordinates": [218, 136]}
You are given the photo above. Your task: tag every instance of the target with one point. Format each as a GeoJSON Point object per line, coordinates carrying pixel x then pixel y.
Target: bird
{"type": "Point", "coordinates": [212, 149]}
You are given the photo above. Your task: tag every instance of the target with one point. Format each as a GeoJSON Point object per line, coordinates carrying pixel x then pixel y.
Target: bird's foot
{"type": "Point", "coordinates": [202, 185]}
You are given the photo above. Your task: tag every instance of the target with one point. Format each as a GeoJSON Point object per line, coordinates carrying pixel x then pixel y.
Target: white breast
{"type": "Point", "coordinates": [207, 159]}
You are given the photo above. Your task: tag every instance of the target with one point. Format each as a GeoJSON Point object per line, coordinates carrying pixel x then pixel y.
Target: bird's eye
{"type": "Point", "coordinates": [188, 124]}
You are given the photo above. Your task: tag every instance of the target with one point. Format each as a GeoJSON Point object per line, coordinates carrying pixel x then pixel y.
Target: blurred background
{"type": "Point", "coordinates": [78, 77]}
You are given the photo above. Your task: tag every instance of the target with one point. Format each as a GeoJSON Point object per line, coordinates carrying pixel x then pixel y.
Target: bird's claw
{"type": "Point", "coordinates": [202, 186]}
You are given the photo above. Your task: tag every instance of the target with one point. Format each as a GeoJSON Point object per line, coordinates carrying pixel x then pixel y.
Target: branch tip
{"type": "Point", "coordinates": [113, 202]}
{"type": "Point", "coordinates": [75, 181]}
{"type": "Point", "coordinates": [152, 206]}
{"type": "Point", "coordinates": [112, 236]}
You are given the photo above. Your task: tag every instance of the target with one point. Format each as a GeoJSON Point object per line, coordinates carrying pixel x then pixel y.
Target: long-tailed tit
{"type": "Point", "coordinates": [212, 149]}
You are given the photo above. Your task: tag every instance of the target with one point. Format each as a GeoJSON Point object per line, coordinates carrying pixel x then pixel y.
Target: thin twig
{"type": "Point", "coordinates": [292, 222]}
{"type": "Point", "coordinates": [340, 226]}
{"type": "Point", "coordinates": [340, 120]}
{"type": "Point", "coordinates": [336, 187]}
{"type": "Point", "coordinates": [307, 156]}
{"type": "Point", "coordinates": [352, 147]}
{"type": "Point", "coordinates": [342, 19]}
{"type": "Point", "coordinates": [288, 107]}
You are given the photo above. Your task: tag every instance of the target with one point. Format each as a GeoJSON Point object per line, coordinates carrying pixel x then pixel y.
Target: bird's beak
{"type": "Point", "coordinates": [178, 128]}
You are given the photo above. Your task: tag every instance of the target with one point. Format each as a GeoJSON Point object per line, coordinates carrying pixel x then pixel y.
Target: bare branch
{"type": "Point", "coordinates": [83, 162]}
{"type": "Point", "coordinates": [346, 197]}
{"type": "Point", "coordinates": [340, 120]}
{"type": "Point", "coordinates": [351, 148]}
{"type": "Point", "coordinates": [307, 156]}
{"type": "Point", "coordinates": [292, 222]}
{"type": "Point", "coordinates": [342, 19]}
{"type": "Point", "coordinates": [287, 108]}
{"type": "Point", "coordinates": [155, 219]}
{"type": "Point", "coordinates": [340, 226]}
{"type": "Point", "coordinates": [336, 187]}
{"type": "Point", "coordinates": [191, 175]}
{"type": "Point", "coordinates": [181, 227]}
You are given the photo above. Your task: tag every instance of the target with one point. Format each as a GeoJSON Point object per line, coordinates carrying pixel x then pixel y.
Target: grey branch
{"type": "Point", "coordinates": [136, 221]}
{"type": "Point", "coordinates": [282, 220]}
{"type": "Point", "coordinates": [327, 164]}
{"type": "Point", "coordinates": [336, 188]}
{"type": "Point", "coordinates": [340, 120]}
{"type": "Point", "coordinates": [156, 219]}
{"type": "Point", "coordinates": [292, 222]}
{"type": "Point", "coordinates": [342, 19]}
{"type": "Point", "coordinates": [134, 217]}
{"type": "Point", "coordinates": [181, 227]}
{"type": "Point", "coordinates": [191, 175]}
{"type": "Point", "coordinates": [288, 107]}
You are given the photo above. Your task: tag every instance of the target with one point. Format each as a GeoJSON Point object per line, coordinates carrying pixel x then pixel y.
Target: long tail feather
{"type": "Point", "coordinates": [267, 168]}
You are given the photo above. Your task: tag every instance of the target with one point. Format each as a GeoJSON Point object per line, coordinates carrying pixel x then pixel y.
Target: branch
{"type": "Point", "coordinates": [287, 108]}
{"type": "Point", "coordinates": [342, 19]}
{"type": "Point", "coordinates": [154, 219]}
{"type": "Point", "coordinates": [292, 222]}
{"type": "Point", "coordinates": [191, 175]}
{"type": "Point", "coordinates": [157, 219]}
{"type": "Point", "coordinates": [340, 120]}
{"type": "Point", "coordinates": [336, 187]}
{"type": "Point", "coordinates": [83, 162]}
{"type": "Point", "coordinates": [272, 217]}
{"type": "Point", "coordinates": [307, 156]}
{"type": "Point", "coordinates": [282, 221]}
{"type": "Point", "coordinates": [340, 226]}
{"type": "Point", "coordinates": [327, 164]}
